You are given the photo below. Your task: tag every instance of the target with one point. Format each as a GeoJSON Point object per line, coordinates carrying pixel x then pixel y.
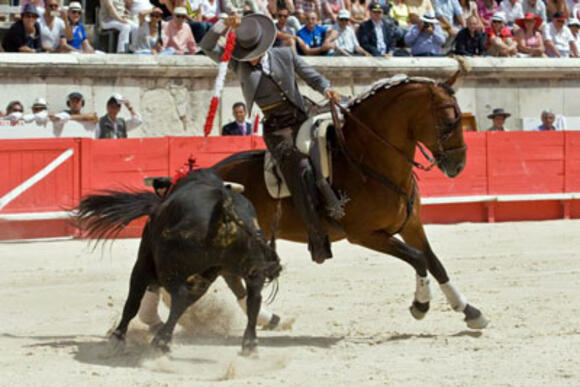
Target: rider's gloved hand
{"type": "Point", "coordinates": [233, 21]}
{"type": "Point", "coordinates": [332, 95]}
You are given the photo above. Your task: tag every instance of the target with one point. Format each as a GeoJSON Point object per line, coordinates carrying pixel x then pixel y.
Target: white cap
{"type": "Point", "coordinates": [574, 22]}
{"type": "Point", "coordinates": [344, 14]}
{"type": "Point", "coordinates": [499, 16]}
{"type": "Point", "coordinates": [75, 5]}
{"type": "Point", "coordinates": [180, 11]}
{"type": "Point", "coordinates": [119, 99]}
{"type": "Point", "coordinates": [39, 102]}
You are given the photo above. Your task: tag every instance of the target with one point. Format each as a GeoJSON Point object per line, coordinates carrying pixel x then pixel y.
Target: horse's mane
{"type": "Point", "coordinates": [386, 84]}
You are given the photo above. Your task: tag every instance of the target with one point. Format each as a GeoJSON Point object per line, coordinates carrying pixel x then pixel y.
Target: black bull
{"type": "Point", "coordinates": [199, 230]}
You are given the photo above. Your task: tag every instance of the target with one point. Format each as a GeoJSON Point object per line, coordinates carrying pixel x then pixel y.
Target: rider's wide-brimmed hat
{"type": "Point", "coordinates": [255, 35]}
{"type": "Point", "coordinates": [498, 112]}
{"type": "Point", "coordinates": [529, 16]}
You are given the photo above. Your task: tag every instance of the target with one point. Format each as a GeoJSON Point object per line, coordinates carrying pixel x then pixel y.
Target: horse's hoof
{"type": "Point", "coordinates": [474, 318]}
{"type": "Point", "coordinates": [419, 309]}
{"type": "Point", "coordinates": [249, 347]}
{"type": "Point", "coordinates": [116, 342]}
{"type": "Point", "coordinates": [273, 324]}
{"type": "Point", "coordinates": [160, 344]}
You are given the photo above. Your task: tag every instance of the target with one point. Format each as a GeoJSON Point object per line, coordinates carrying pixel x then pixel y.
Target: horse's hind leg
{"type": "Point", "coordinates": [250, 340]}
{"type": "Point", "coordinates": [182, 296]}
{"type": "Point", "coordinates": [414, 235]}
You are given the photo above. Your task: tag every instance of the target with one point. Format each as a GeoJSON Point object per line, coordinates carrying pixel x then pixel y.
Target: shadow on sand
{"type": "Point", "coordinates": [96, 350]}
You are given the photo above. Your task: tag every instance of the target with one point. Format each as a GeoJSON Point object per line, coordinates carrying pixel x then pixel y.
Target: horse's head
{"type": "Point", "coordinates": [441, 130]}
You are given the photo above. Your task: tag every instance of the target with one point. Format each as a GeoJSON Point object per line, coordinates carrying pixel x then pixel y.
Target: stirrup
{"type": "Point", "coordinates": [334, 204]}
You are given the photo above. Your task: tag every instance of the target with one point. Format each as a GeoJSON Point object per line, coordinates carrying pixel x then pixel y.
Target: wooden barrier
{"type": "Point", "coordinates": [508, 176]}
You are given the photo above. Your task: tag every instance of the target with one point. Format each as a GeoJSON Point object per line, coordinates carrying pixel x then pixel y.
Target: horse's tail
{"type": "Point", "coordinates": [104, 215]}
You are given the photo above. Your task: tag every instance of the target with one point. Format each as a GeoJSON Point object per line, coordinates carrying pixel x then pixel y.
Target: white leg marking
{"type": "Point", "coordinates": [148, 309]}
{"type": "Point", "coordinates": [457, 300]}
{"type": "Point", "coordinates": [264, 316]}
{"type": "Point", "coordinates": [422, 289]}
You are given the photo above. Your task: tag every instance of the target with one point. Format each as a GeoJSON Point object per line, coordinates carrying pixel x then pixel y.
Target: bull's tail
{"type": "Point", "coordinates": [104, 215]}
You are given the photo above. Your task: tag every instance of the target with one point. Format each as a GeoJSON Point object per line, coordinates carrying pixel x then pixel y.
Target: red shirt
{"type": "Point", "coordinates": [504, 33]}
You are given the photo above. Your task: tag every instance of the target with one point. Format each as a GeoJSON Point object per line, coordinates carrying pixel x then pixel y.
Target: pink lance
{"type": "Point", "coordinates": [219, 82]}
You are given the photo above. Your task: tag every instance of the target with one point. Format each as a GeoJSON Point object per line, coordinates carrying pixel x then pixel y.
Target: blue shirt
{"type": "Point", "coordinates": [423, 43]}
{"type": "Point", "coordinates": [447, 9]}
{"type": "Point", "coordinates": [79, 36]}
{"type": "Point", "coordinates": [312, 39]}
{"type": "Point", "coordinates": [544, 128]}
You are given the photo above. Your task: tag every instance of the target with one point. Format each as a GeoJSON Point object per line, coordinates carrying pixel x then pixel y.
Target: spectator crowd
{"type": "Point", "coordinates": [382, 28]}
{"type": "Point", "coordinates": [109, 126]}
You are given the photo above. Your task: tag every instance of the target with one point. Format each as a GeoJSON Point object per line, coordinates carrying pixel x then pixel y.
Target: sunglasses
{"type": "Point", "coordinates": [30, 15]}
{"type": "Point", "coordinates": [344, 19]}
{"type": "Point", "coordinates": [282, 16]}
{"type": "Point", "coordinates": [180, 16]}
{"type": "Point", "coordinates": [53, 6]}
{"type": "Point", "coordinates": [74, 12]}
{"type": "Point", "coordinates": [17, 111]}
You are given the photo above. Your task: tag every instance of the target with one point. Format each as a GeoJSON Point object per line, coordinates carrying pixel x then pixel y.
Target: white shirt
{"type": "Point", "coordinates": [346, 39]}
{"type": "Point", "coordinates": [512, 12]}
{"type": "Point", "coordinates": [50, 37]}
{"type": "Point", "coordinates": [381, 46]}
{"type": "Point", "coordinates": [561, 40]}
{"type": "Point", "coordinates": [265, 62]}
{"type": "Point", "coordinates": [210, 10]}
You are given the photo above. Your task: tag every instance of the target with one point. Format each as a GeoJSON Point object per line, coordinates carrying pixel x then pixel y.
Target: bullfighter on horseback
{"type": "Point", "coordinates": [268, 78]}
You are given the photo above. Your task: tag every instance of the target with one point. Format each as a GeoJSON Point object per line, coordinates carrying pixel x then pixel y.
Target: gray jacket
{"type": "Point", "coordinates": [284, 66]}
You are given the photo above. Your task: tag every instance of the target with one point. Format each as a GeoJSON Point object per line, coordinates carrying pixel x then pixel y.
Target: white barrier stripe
{"type": "Point", "coordinates": [500, 198]}
{"type": "Point", "coordinates": [36, 216]}
{"type": "Point", "coordinates": [36, 178]}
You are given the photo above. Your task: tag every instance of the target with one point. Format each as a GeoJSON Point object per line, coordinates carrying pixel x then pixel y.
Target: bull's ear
{"type": "Point", "coordinates": [453, 78]}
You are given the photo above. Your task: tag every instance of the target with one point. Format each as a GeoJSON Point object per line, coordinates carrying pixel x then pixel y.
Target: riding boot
{"type": "Point", "coordinates": [305, 197]}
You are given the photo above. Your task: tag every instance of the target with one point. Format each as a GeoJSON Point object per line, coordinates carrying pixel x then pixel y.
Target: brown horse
{"type": "Point", "coordinates": [375, 169]}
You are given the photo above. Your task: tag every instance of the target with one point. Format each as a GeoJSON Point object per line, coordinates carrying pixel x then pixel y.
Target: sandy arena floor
{"type": "Point", "coordinates": [352, 325]}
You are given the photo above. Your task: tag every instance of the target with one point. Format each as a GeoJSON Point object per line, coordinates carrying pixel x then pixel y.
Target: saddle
{"type": "Point", "coordinates": [312, 141]}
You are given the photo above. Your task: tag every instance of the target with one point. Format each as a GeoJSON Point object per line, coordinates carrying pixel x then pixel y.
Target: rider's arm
{"type": "Point", "coordinates": [210, 47]}
{"type": "Point", "coordinates": [309, 75]}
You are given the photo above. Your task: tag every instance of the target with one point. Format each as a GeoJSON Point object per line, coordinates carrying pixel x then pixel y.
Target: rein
{"type": "Point", "coordinates": [361, 124]}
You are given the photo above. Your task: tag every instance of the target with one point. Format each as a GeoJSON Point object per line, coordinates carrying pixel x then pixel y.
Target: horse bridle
{"type": "Point", "coordinates": [367, 171]}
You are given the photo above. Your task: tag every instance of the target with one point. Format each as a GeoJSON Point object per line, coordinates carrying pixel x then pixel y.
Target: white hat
{"type": "Point", "coordinates": [429, 18]}
{"type": "Point", "coordinates": [119, 99]}
{"type": "Point", "coordinates": [75, 5]}
{"type": "Point", "coordinates": [573, 22]}
{"type": "Point", "coordinates": [499, 16]}
{"type": "Point", "coordinates": [39, 102]}
{"type": "Point", "coordinates": [180, 11]}
{"type": "Point", "coordinates": [343, 14]}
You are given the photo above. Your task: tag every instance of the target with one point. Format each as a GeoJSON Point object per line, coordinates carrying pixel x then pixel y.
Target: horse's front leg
{"type": "Point", "coordinates": [414, 235]}
{"type": "Point", "coordinates": [254, 301]}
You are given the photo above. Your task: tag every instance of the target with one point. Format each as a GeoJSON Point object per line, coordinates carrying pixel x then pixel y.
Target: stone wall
{"type": "Point", "coordinates": [172, 93]}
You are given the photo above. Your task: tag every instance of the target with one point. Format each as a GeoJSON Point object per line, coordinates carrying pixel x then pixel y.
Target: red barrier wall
{"type": "Point", "coordinates": [497, 164]}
